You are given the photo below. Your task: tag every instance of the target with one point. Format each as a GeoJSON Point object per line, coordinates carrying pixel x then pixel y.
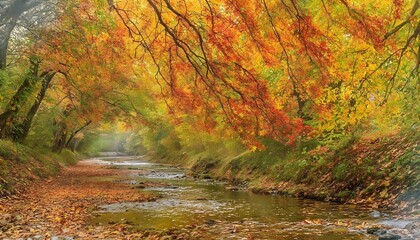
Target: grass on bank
{"type": "Point", "coordinates": [21, 165]}
{"type": "Point", "coordinates": [358, 168]}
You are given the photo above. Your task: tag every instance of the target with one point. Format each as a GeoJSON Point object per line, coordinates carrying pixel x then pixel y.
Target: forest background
{"type": "Point", "coordinates": [308, 98]}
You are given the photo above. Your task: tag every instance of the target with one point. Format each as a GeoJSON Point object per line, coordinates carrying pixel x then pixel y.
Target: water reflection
{"type": "Point", "coordinates": [231, 214]}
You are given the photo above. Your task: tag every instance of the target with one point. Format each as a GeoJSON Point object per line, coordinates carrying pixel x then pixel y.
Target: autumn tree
{"type": "Point", "coordinates": [88, 49]}
{"type": "Point", "coordinates": [272, 69]}
{"type": "Point", "coordinates": [68, 56]}
{"type": "Point", "coordinates": [20, 21]}
{"type": "Point", "coordinates": [269, 68]}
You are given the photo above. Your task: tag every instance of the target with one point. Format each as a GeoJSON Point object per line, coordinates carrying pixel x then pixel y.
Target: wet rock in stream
{"type": "Point", "coordinates": [389, 237]}
{"type": "Point", "coordinates": [376, 231]}
{"type": "Point", "coordinates": [210, 222]}
{"type": "Point", "coordinates": [232, 188]}
{"type": "Point", "coordinates": [383, 234]}
{"type": "Point", "coordinates": [413, 226]}
{"type": "Point", "coordinates": [140, 186]}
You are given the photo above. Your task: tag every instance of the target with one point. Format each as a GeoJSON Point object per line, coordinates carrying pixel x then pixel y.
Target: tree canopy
{"type": "Point", "coordinates": [285, 70]}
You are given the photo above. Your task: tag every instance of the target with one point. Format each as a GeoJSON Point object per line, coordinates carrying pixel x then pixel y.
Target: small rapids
{"type": "Point", "coordinates": [221, 213]}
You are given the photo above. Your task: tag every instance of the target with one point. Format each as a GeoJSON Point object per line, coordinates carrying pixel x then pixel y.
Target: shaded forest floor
{"type": "Point", "coordinates": [61, 206]}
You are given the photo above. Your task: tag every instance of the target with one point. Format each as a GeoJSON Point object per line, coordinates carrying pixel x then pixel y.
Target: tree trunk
{"type": "Point", "coordinates": [12, 12]}
{"type": "Point", "coordinates": [75, 145]}
{"type": "Point", "coordinates": [4, 44]}
{"type": "Point", "coordinates": [24, 127]}
{"type": "Point", "coordinates": [7, 118]}
{"type": "Point", "coordinates": [301, 102]}
{"type": "Point", "coordinates": [73, 134]}
{"type": "Point", "coordinates": [60, 136]}
{"type": "Point", "coordinates": [4, 41]}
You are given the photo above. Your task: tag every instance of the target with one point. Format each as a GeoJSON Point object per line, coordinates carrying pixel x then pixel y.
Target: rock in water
{"type": "Point", "coordinates": [389, 237]}
{"type": "Point", "coordinates": [376, 231]}
{"type": "Point", "coordinates": [210, 222]}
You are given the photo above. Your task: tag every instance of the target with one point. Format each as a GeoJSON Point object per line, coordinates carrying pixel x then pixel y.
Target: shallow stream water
{"type": "Point", "coordinates": [231, 214]}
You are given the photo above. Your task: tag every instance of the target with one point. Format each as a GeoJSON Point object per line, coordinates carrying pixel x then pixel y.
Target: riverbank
{"type": "Point", "coordinates": [60, 206]}
{"type": "Point", "coordinates": [20, 166]}
{"type": "Point", "coordinates": [377, 172]}
{"type": "Point", "coordinates": [380, 173]}
{"type": "Point", "coordinates": [128, 198]}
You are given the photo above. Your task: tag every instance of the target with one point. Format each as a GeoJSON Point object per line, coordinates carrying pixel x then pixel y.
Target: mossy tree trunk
{"type": "Point", "coordinates": [23, 128]}
{"type": "Point", "coordinates": [7, 118]}
{"type": "Point", "coordinates": [60, 135]}
{"type": "Point", "coordinates": [73, 134]}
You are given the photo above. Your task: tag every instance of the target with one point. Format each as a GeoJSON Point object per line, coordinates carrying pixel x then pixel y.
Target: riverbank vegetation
{"type": "Point", "coordinates": [316, 99]}
{"type": "Point", "coordinates": [20, 166]}
{"type": "Point", "coordinates": [380, 171]}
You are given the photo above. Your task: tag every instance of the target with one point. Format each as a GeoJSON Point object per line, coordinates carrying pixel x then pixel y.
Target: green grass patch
{"type": "Point", "coordinates": [19, 165]}
{"type": "Point", "coordinates": [340, 171]}
{"type": "Point", "coordinates": [66, 157]}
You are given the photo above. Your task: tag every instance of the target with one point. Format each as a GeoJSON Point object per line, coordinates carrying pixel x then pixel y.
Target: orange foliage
{"type": "Point", "coordinates": [258, 68]}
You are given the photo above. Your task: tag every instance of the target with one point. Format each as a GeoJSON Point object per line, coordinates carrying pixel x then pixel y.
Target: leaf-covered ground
{"type": "Point", "coordinates": [61, 206]}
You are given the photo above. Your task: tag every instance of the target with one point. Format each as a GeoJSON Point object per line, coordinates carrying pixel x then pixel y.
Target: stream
{"type": "Point", "coordinates": [224, 212]}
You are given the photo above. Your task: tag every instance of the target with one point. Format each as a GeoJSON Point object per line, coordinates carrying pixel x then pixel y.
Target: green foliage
{"type": "Point", "coordinates": [341, 171]}
{"type": "Point", "coordinates": [103, 141]}
{"type": "Point", "coordinates": [20, 165]}
{"type": "Point", "coordinates": [174, 143]}
{"type": "Point", "coordinates": [134, 145]}
{"type": "Point", "coordinates": [42, 131]}
{"type": "Point", "coordinates": [346, 194]}
{"type": "Point", "coordinates": [8, 150]}
{"type": "Point", "coordinates": [295, 170]}
{"type": "Point", "coordinates": [259, 162]}
{"type": "Point", "coordinates": [65, 157]}
{"type": "Point", "coordinates": [9, 82]}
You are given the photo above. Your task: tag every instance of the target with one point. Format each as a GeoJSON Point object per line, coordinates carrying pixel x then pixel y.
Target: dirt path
{"type": "Point", "coordinates": [61, 206]}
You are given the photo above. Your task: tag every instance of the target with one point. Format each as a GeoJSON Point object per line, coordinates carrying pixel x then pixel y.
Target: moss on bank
{"type": "Point", "coordinates": [373, 171]}
{"type": "Point", "coordinates": [21, 165]}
